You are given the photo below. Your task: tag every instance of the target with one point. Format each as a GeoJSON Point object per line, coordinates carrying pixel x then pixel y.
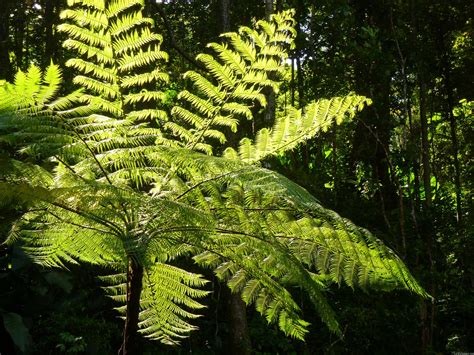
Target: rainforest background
{"type": "Point", "coordinates": [402, 169]}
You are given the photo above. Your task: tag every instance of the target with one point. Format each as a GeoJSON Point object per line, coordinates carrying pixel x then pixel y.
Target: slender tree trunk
{"type": "Point", "coordinates": [300, 78]}
{"type": "Point", "coordinates": [427, 309]}
{"type": "Point", "coordinates": [373, 74]}
{"type": "Point", "coordinates": [425, 145]}
{"type": "Point", "coordinates": [270, 109]}
{"type": "Point", "coordinates": [279, 5]}
{"type": "Point", "coordinates": [50, 18]}
{"type": "Point", "coordinates": [426, 231]}
{"type": "Point", "coordinates": [269, 116]}
{"type": "Point", "coordinates": [454, 138]}
{"type": "Point", "coordinates": [6, 69]}
{"type": "Point", "coordinates": [408, 117]}
{"type": "Point", "coordinates": [134, 289]}
{"type": "Point", "coordinates": [21, 35]}
{"type": "Point", "coordinates": [269, 8]}
{"type": "Point", "coordinates": [415, 166]}
{"type": "Point", "coordinates": [335, 165]}
{"type": "Point", "coordinates": [292, 86]}
{"type": "Point", "coordinates": [240, 340]}
{"type": "Point", "coordinates": [225, 15]}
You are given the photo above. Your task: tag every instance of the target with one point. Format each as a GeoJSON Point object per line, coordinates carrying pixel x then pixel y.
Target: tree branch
{"type": "Point", "coordinates": [172, 40]}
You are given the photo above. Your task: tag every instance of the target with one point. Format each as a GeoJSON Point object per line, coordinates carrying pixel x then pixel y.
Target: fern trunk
{"type": "Point", "coordinates": [134, 289]}
{"type": "Point", "coordinates": [240, 337]}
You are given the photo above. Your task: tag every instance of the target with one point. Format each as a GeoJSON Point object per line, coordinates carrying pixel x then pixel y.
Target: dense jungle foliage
{"type": "Point", "coordinates": [147, 157]}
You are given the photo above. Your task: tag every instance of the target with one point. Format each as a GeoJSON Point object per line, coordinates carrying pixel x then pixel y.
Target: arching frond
{"type": "Point", "coordinates": [236, 77]}
{"type": "Point", "coordinates": [272, 225]}
{"type": "Point", "coordinates": [117, 46]}
{"type": "Point", "coordinates": [297, 127]}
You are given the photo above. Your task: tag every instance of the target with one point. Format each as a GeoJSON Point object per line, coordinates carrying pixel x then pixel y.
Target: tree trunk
{"type": "Point", "coordinates": [279, 5]}
{"type": "Point", "coordinates": [269, 116]}
{"type": "Point", "coordinates": [225, 16]}
{"type": "Point", "coordinates": [426, 227]}
{"type": "Point", "coordinates": [454, 138]}
{"type": "Point", "coordinates": [300, 48]}
{"type": "Point", "coordinates": [300, 78]}
{"type": "Point", "coordinates": [425, 148]}
{"type": "Point", "coordinates": [50, 18]}
{"type": "Point", "coordinates": [269, 9]}
{"type": "Point", "coordinates": [6, 70]}
{"type": "Point", "coordinates": [240, 339]}
{"type": "Point", "coordinates": [427, 309]}
{"type": "Point", "coordinates": [21, 36]}
{"type": "Point", "coordinates": [134, 289]}
{"type": "Point", "coordinates": [373, 74]}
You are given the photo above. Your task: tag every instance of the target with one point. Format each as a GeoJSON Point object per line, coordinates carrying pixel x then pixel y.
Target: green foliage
{"type": "Point", "coordinates": [116, 45]}
{"type": "Point", "coordinates": [298, 126]}
{"type": "Point", "coordinates": [164, 313]}
{"type": "Point", "coordinates": [130, 186]}
{"type": "Point", "coordinates": [245, 64]}
{"type": "Point", "coordinates": [15, 326]}
{"type": "Point", "coordinates": [31, 91]}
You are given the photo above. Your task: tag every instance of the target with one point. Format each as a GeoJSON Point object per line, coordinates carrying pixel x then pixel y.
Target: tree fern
{"type": "Point", "coordinates": [132, 191]}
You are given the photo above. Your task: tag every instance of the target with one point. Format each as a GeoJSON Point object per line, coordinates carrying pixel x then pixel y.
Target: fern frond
{"type": "Point", "coordinates": [144, 96]}
{"type": "Point", "coordinates": [95, 104]}
{"type": "Point", "coordinates": [92, 38]}
{"type": "Point", "coordinates": [242, 46]}
{"type": "Point", "coordinates": [206, 87]}
{"type": "Point", "coordinates": [140, 80]}
{"type": "Point", "coordinates": [52, 80]}
{"type": "Point", "coordinates": [298, 126]}
{"type": "Point", "coordinates": [136, 40]}
{"type": "Point", "coordinates": [220, 72]}
{"type": "Point", "coordinates": [100, 55]}
{"type": "Point", "coordinates": [116, 7]}
{"type": "Point", "coordinates": [231, 58]}
{"type": "Point", "coordinates": [86, 67]}
{"type": "Point", "coordinates": [148, 115]}
{"type": "Point", "coordinates": [97, 86]}
{"type": "Point", "coordinates": [265, 210]}
{"type": "Point", "coordinates": [95, 19]}
{"type": "Point", "coordinates": [165, 316]}
{"type": "Point", "coordinates": [236, 77]}
{"type": "Point", "coordinates": [139, 59]}
{"type": "Point", "coordinates": [126, 22]}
